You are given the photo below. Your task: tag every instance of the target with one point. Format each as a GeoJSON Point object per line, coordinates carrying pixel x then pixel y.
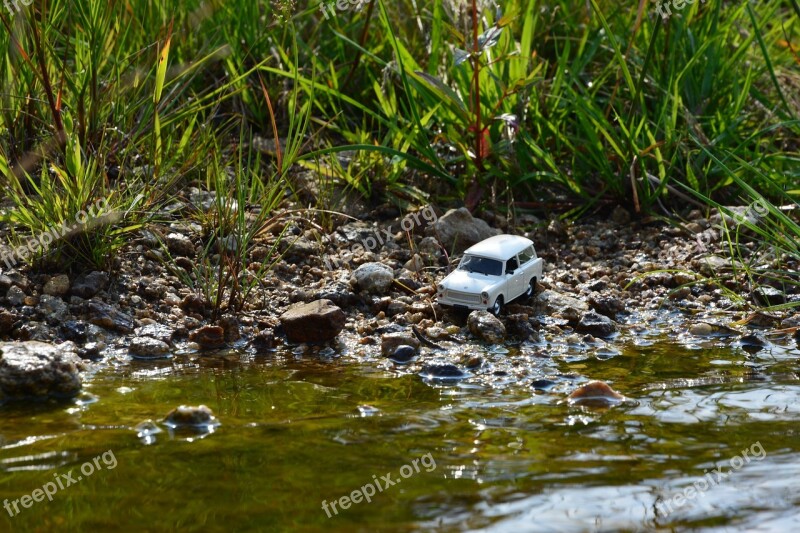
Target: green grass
{"type": "Point", "coordinates": [566, 106]}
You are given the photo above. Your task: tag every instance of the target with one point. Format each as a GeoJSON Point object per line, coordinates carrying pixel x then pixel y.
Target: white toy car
{"type": "Point", "coordinates": [492, 273]}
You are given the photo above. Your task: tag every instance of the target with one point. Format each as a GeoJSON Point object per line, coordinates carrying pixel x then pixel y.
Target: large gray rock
{"type": "Point", "coordinates": [375, 278]}
{"type": "Point", "coordinates": [596, 324]}
{"type": "Point", "coordinates": [35, 369]}
{"type": "Point", "coordinates": [316, 321]}
{"type": "Point", "coordinates": [457, 230]}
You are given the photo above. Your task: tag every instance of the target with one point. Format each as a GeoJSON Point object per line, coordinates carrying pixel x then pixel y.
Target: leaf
{"type": "Point", "coordinates": [161, 71]}
{"type": "Point", "coordinates": [443, 88]}
{"type": "Point", "coordinates": [459, 56]}
{"type": "Point", "coordinates": [489, 38]}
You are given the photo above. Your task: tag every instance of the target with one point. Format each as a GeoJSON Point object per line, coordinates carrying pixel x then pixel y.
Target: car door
{"type": "Point", "coordinates": [516, 278]}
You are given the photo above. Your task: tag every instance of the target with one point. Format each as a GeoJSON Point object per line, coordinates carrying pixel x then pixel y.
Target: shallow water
{"type": "Point", "coordinates": [298, 429]}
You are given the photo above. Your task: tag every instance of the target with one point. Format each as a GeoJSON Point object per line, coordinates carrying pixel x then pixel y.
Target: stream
{"type": "Point", "coordinates": [705, 440]}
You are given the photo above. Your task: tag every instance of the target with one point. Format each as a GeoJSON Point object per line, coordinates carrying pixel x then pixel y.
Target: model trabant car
{"type": "Point", "coordinates": [491, 273]}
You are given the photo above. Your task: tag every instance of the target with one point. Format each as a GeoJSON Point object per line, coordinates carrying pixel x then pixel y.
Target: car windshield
{"type": "Point", "coordinates": [481, 265]}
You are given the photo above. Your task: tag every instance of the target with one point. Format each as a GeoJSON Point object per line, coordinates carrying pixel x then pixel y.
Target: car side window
{"type": "Point", "coordinates": [526, 255]}
{"type": "Point", "coordinates": [511, 265]}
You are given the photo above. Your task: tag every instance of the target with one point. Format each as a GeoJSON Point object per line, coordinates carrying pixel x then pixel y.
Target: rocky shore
{"type": "Point", "coordinates": [366, 288]}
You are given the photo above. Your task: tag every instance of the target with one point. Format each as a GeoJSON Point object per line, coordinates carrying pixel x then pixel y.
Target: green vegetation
{"type": "Point", "coordinates": [565, 107]}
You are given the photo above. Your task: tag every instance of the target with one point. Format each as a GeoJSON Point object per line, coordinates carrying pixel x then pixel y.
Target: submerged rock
{"type": "Point", "coordinates": [38, 369]}
{"type": "Point", "coordinates": [595, 393]}
{"type": "Point", "coordinates": [190, 416]}
{"type": "Point", "coordinates": [317, 321]}
{"type": "Point", "coordinates": [403, 354]}
{"type": "Point", "coordinates": [486, 326]}
{"type": "Point", "coordinates": [442, 371]}
{"type": "Point", "coordinates": [375, 278]}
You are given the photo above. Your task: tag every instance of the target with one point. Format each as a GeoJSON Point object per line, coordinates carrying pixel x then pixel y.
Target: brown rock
{"type": "Point", "coordinates": [208, 337]}
{"type": "Point", "coordinates": [317, 321]}
{"type": "Point", "coordinates": [596, 393]}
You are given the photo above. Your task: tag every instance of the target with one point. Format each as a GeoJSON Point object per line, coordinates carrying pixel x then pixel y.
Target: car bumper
{"type": "Point", "coordinates": [462, 305]}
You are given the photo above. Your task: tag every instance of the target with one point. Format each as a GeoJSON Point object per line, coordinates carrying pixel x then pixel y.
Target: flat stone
{"type": "Point", "coordinates": [596, 324]}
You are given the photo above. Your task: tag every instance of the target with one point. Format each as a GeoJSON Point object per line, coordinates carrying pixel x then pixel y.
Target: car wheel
{"type": "Point", "coordinates": [497, 308]}
{"type": "Point", "coordinates": [531, 289]}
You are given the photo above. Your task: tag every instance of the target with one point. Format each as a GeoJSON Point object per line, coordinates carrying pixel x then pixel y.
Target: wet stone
{"type": "Point", "coordinates": [148, 348]}
{"type": "Point", "coordinates": [179, 244]}
{"type": "Point", "coordinates": [767, 296]}
{"type": "Point", "coordinates": [403, 354]}
{"type": "Point", "coordinates": [596, 324]}
{"type": "Point", "coordinates": [374, 278]}
{"type": "Point", "coordinates": [442, 371]}
{"type": "Point", "coordinates": [190, 416]}
{"type": "Point", "coordinates": [38, 369]}
{"type": "Point", "coordinates": [156, 331]}
{"type": "Point", "coordinates": [390, 342]}
{"type": "Point", "coordinates": [595, 393]}
{"type": "Point", "coordinates": [208, 337]}
{"type": "Point", "coordinates": [486, 326]}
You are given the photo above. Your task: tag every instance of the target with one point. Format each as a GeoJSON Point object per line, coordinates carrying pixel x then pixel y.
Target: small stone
{"type": "Point", "coordinates": [403, 354]}
{"type": "Point", "coordinates": [596, 324]}
{"type": "Point", "coordinates": [317, 321]}
{"type": "Point", "coordinates": [231, 327]}
{"type": "Point", "coordinates": [415, 264]}
{"type": "Point", "coordinates": [704, 329]}
{"type": "Point", "coordinates": [208, 337]}
{"type": "Point", "coordinates": [53, 308]}
{"type": "Point", "coordinates": [767, 296]}
{"type": "Point", "coordinates": [595, 393]}
{"type": "Point", "coordinates": [486, 326]}
{"type": "Point", "coordinates": [148, 348]}
{"type": "Point", "coordinates": [193, 303]}
{"type": "Point", "coordinates": [156, 331]}
{"type": "Point", "coordinates": [390, 342]}
{"type": "Point", "coordinates": [108, 317]}
{"type": "Point", "coordinates": [179, 244]}
{"type": "Point", "coordinates": [87, 285]}
{"type": "Point", "coordinates": [15, 296]}
{"type": "Point", "coordinates": [621, 216]}
{"type": "Point", "coordinates": [374, 278]}
{"type": "Point", "coordinates": [57, 285]}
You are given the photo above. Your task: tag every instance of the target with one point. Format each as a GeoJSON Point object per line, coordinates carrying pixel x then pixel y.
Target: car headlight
{"type": "Point", "coordinates": [485, 295]}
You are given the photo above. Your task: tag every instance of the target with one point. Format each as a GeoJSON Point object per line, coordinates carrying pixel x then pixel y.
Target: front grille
{"type": "Point", "coordinates": [465, 297]}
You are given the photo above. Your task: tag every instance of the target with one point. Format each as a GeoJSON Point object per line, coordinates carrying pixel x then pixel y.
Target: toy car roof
{"type": "Point", "coordinates": [499, 247]}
